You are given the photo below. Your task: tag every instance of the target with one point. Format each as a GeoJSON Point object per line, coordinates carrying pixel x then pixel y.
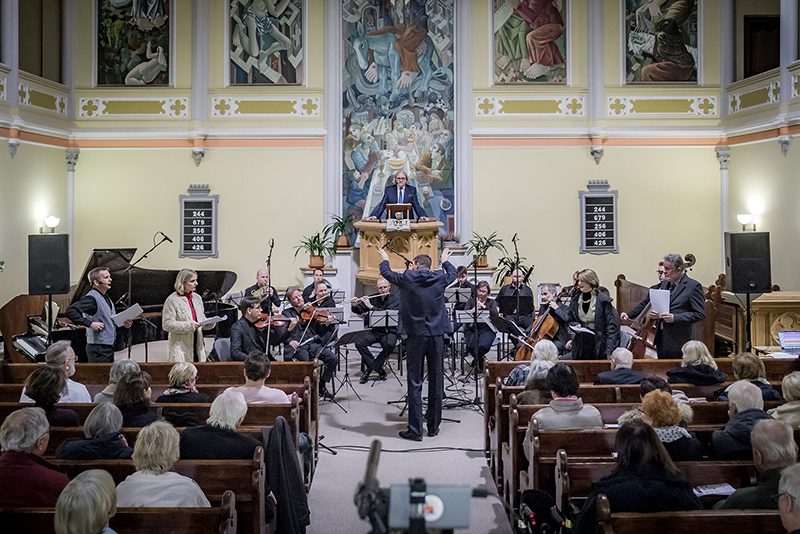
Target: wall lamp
{"type": "Point", "coordinates": [745, 219]}
{"type": "Point", "coordinates": [51, 222]}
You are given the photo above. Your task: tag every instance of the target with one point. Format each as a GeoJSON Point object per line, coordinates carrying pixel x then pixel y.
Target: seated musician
{"type": "Point", "coordinates": [400, 193]}
{"type": "Point", "coordinates": [319, 276]}
{"type": "Point", "coordinates": [559, 311]}
{"type": "Point", "coordinates": [591, 308]}
{"type": "Point", "coordinates": [305, 340]}
{"type": "Point", "coordinates": [463, 283]}
{"type": "Point", "coordinates": [479, 342]}
{"type": "Point", "coordinates": [245, 337]}
{"type": "Point", "coordinates": [518, 287]}
{"type": "Point", "coordinates": [262, 281]}
{"type": "Point", "coordinates": [386, 336]}
{"type": "Point", "coordinates": [321, 297]}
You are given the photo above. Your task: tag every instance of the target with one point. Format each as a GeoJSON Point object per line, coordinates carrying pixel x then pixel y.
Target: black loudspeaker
{"type": "Point", "coordinates": [747, 263]}
{"type": "Point", "coordinates": [48, 264]}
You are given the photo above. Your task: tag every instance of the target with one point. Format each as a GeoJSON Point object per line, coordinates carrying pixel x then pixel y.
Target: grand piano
{"type": "Point", "coordinates": [149, 288]}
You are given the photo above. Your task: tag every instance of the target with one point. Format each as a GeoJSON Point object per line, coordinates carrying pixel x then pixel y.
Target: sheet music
{"type": "Point", "coordinates": [659, 300]}
{"type": "Point", "coordinates": [578, 328]}
{"type": "Point", "coordinates": [211, 320]}
{"type": "Point", "coordinates": [128, 315]}
{"type": "Point", "coordinates": [714, 489]}
{"type": "Point", "coordinates": [466, 317]}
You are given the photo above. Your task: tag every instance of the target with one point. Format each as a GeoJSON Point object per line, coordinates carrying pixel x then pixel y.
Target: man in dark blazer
{"type": "Point", "coordinates": [386, 336]}
{"type": "Point", "coordinates": [621, 372]}
{"type": "Point", "coordinates": [400, 193]}
{"type": "Point", "coordinates": [245, 337]}
{"type": "Point", "coordinates": [423, 318]}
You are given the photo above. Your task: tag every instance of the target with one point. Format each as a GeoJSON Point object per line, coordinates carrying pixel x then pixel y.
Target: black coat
{"type": "Point", "coordinates": [687, 303]}
{"type": "Point", "coordinates": [109, 447]}
{"type": "Point", "coordinates": [285, 478]}
{"type": "Point", "coordinates": [246, 338]}
{"type": "Point", "coordinates": [619, 376]}
{"type": "Point", "coordinates": [606, 323]}
{"type": "Point", "coordinates": [190, 397]}
{"type": "Point", "coordinates": [699, 375]}
{"type": "Point", "coordinates": [768, 393]}
{"type": "Point", "coordinates": [733, 441]}
{"type": "Point", "coordinates": [390, 197]}
{"type": "Point", "coordinates": [60, 417]}
{"type": "Point", "coordinates": [211, 443]}
{"type": "Point", "coordinates": [137, 416]}
{"type": "Point", "coordinates": [684, 450]}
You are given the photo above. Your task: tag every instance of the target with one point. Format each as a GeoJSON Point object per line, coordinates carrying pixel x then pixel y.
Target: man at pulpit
{"type": "Point", "coordinates": [400, 193]}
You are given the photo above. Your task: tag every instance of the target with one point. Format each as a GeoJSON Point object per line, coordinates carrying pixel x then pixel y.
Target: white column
{"type": "Point", "coordinates": [72, 160]}
{"type": "Point", "coordinates": [464, 107]}
{"type": "Point", "coordinates": [200, 60]}
{"type": "Point", "coordinates": [68, 22]}
{"type": "Point", "coordinates": [789, 26]}
{"type": "Point", "coordinates": [727, 55]}
{"type": "Point", "coordinates": [9, 33]}
{"type": "Point", "coordinates": [332, 105]}
{"type": "Point", "coordinates": [596, 105]}
{"type": "Point", "coordinates": [724, 157]}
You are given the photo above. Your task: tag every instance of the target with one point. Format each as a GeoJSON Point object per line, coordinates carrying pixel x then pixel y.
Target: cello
{"type": "Point", "coordinates": [545, 327]}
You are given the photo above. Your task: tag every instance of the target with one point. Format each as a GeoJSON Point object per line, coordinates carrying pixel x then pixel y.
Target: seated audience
{"type": "Point", "coordinates": [644, 481]}
{"type": "Point", "coordinates": [256, 371]}
{"type": "Point", "coordinates": [87, 504]}
{"type": "Point", "coordinates": [789, 499]}
{"type": "Point", "coordinates": [27, 479]}
{"type": "Point", "coordinates": [61, 356]}
{"type": "Point", "coordinates": [774, 449]}
{"type": "Point", "coordinates": [132, 397]}
{"type": "Point", "coordinates": [536, 390]}
{"type": "Point", "coordinates": [566, 410]}
{"type": "Point", "coordinates": [747, 366]}
{"type": "Point", "coordinates": [44, 386]}
{"type": "Point", "coordinates": [621, 372]}
{"type": "Point", "coordinates": [183, 385]}
{"type": "Point", "coordinates": [789, 412]}
{"type": "Point", "coordinates": [660, 411]}
{"type": "Point", "coordinates": [218, 440]}
{"type": "Point", "coordinates": [698, 367]}
{"type": "Point", "coordinates": [544, 350]}
{"type": "Point", "coordinates": [153, 484]}
{"type": "Point", "coordinates": [103, 441]}
{"type": "Point", "coordinates": [653, 383]}
{"type": "Point", "coordinates": [745, 407]}
{"type": "Point", "coordinates": [118, 369]}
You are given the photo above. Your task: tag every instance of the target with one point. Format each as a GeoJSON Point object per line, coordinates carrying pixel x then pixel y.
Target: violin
{"type": "Point", "coordinates": [313, 312]}
{"type": "Point", "coordinates": [276, 321]}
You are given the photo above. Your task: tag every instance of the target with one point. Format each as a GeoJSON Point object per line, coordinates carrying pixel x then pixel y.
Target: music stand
{"type": "Point", "coordinates": [509, 327]}
{"type": "Point", "coordinates": [508, 305]}
{"type": "Point", "coordinates": [346, 339]}
{"type": "Point", "coordinates": [386, 319]}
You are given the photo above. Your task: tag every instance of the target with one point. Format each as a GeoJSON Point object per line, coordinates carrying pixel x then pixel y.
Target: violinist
{"type": "Point", "coordinates": [245, 337]}
{"type": "Point", "coordinates": [319, 276]}
{"type": "Point", "coordinates": [262, 280]}
{"type": "Point", "coordinates": [306, 339]}
{"type": "Point", "coordinates": [560, 313]}
{"type": "Point", "coordinates": [479, 342]}
{"type": "Point", "coordinates": [386, 336]}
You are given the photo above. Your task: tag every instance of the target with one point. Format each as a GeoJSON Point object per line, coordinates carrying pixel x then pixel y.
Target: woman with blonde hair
{"type": "Point", "coordinates": [87, 504]}
{"type": "Point", "coordinates": [181, 317]}
{"type": "Point", "coordinates": [660, 411]}
{"type": "Point", "coordinates": [153, 484]}
{"type": "Point", "coordinates": [789, 412]}
{"type": "Point", "coordinates": [183, 385]}
{"type": "Point", "coordinates": [748, 366]}
{"type": "Point", "coordinates": [697, 367]}
{"type": "Point", "coordinates": [591, 308]}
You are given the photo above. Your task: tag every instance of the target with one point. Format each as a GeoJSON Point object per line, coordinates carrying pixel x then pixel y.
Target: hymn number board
{"type": "Point", "coordinates": [599, 219]}
{"type": "Point", "coordinates": [199, 223]}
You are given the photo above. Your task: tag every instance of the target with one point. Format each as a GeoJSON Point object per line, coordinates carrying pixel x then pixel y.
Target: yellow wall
{"type": "Point", "coordinates": [32, 186]}
{"type": "Point", "coordinates": [668, 202]}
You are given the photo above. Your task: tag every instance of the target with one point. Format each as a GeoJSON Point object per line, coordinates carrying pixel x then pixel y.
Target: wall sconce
{"type": "Point", "coordinates": [51, 222]}
{"type": "Point", "coordinates": [745, 219]}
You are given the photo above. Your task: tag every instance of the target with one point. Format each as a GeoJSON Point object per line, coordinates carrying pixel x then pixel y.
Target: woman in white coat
{"type": "Point", "coordinates": [183, 311]}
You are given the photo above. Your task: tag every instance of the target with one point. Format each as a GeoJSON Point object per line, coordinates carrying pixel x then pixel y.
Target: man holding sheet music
{"type": "Point", "coordinates": [687, 306]}
{"type": "Point", "coordinates": [95, 311]}
{"type": "Point", "coordinates": [385, 335]}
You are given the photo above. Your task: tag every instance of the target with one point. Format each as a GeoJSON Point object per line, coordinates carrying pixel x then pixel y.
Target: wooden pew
{"type": "Point", "coordinates": [219, 520]}
{"type": "Point", "coordinates": [729, 521]}
{"type": "Point", "coordinates": [244, 477]}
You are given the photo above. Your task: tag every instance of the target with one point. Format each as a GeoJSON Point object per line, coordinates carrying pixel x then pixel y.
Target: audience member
{"type": "Point", "coordinates": [103, 441]}
{"type": "Point", "coordinates": [644, 481]}
{"type": "Point", "coordinates": [44, 386]}
{"type": "Point", "coordinates": [61, 356]}
{"type": "Point", "coordinates": [773, 450]}
{"type": "Point", "coordinates": [544, 350]}
{"type": "Point", "coordinates": [118, 369]}
{"type": "Point", "coordinates": [789, 499]}
{"type": "Point", "coordinates": [183, 385]}
{"type": "Point", "coordinates": [621, 372]}
{"type": "Point", "coordinates": [132, 397]}
{"type": "Point", "coordinates": [747, 366]}
{"type": "Point", "coordinates": [87, 504]}
{"type": "Point", "coordinates": [153, 484]}
{"type": "Point", "coordinates": [27, 479]}
{"type": "Point", "coordinates": [660, 411]}
{"type": "Point", "coordinates": [745, 407]}
{"type": "Point", "coordinates": [789, 412]}
{"type": "Point", "coordinates": [218, 440]}
{"type": "Point", "coordinates": [256, 371]}
{"type": "Point", "coordinates": [698, 367]}
{"type": "Point", "coordinates": [536, 390]}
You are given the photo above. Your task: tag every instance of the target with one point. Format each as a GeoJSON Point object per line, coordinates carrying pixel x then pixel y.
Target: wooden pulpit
{"type": "Point", "coordinates": [422, 239]}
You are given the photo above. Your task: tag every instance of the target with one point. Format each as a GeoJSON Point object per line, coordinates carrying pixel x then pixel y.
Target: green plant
{"type": "Point", "coordinates": [2, 266]}
{"type": "Point", "coordinates": [507, 265]}
{"type": "Point", "coordinates": [341, 226]}
{"type": "Point", "coordinates": [480, 245]}
{"type": "Point", "coordinates": [316, 245]}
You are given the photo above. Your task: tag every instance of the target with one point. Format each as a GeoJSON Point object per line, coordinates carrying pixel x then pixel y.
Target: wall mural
{"type": "Point", "coordinates": [266, 42]}
{"type": "Point", "coordinates": [661, 41]}
{"type": "Point", "coordinates": [398, 98]}
{"type": "Point", "coordinates": [530, 41]}
{"type": "Point", "coordinates": [133, 42]}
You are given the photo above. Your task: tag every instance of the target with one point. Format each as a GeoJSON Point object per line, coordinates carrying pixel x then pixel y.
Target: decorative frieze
{"type": "Point", "coordinates": [662, 105]}
{"type": "Point", "coordinates": [264, 106]}
{"type": "Point", "coordinates": [40, 97]}
{"type": "Point", "coordinates": [564, 106]}
{"type": "Point", "coordinates": [133, 107]}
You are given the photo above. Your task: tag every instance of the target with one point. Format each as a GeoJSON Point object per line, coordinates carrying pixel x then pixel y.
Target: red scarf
{"type": "Point", "coordinates": [191, 306]}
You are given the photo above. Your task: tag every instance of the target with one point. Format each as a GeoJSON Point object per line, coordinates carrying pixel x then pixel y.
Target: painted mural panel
{"type": "Point", "coordinates": [266, 42]}
{"type": "Point", "coordinates": [530, 41]}
{"type": "Point", "coordinates": [133, 38]}
{"type": "Point", "coordinates": [398, 99]}
{"type": "Point", "coordinates": [661, 41]}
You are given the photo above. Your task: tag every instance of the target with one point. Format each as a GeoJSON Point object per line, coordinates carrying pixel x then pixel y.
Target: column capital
{"type": "Point", "coordinates": [723, 156]}
{"type": "Point", "coordinates": [71, 156]}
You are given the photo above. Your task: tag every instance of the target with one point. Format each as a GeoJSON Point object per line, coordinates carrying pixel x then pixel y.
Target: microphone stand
{"type": "Point", "coordinates": [477, 400]}
{"type": "Point", "coordinates": [130, 270]}
{"type": "Point", "coordinates": [519, 282]}
{"type": "Point", "coordinates": [269, 293]}
{"type": "Point", "coordinates": [408, 262]}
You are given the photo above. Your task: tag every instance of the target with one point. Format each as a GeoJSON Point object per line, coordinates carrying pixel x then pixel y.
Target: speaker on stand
{"type": "Point", "coordinates": [747, 267]}
{"type": "Point", "coordinates": [48, 269]}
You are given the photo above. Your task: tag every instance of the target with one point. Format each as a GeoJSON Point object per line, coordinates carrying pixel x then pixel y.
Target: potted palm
{"type": "Point", "coordinates": [317, 245]}
{"type": "Point", "coordinates": [506, 266]}
{"type": "Point", "coordinates": [480, 245]}
{"type": "Point", "coordinates": [340, 229]}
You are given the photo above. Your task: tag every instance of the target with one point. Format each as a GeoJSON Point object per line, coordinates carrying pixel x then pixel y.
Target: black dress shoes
{"type": "Point", "coordinates": [407, 434]}
{"type": "Point", "coordinates": [433, 433]}
{"type": "Point", "coordinates": [364, 378]}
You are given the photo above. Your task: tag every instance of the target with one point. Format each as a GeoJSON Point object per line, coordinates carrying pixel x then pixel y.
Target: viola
{"type": "Point", "coordinates": [275, 321]}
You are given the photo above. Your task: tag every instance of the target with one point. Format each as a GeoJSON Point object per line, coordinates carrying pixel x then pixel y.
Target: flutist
{"type": "Point", "coordinates": [385, 335]}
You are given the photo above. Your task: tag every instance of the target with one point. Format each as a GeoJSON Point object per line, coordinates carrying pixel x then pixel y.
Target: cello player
{"type": "Point", "coordinates": [559, 311]}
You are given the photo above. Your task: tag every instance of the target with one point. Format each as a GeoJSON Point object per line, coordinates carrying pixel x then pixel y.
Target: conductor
{"type": "Point", "coordinates": [400, 193]}
{"type": "Point", "coordinates": [423, 318]}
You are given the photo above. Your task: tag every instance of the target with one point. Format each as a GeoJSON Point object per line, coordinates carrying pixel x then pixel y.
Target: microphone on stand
{"type": "Point", "coordinates": [165, 236]}
{"type": "Point", "coordinates": [514, 239]}
{"type": "Point", "coordinates": [122, 300]}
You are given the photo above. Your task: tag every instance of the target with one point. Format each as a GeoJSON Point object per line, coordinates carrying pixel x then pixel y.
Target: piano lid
{"type": "Point", "coordinates": [149, 287]}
